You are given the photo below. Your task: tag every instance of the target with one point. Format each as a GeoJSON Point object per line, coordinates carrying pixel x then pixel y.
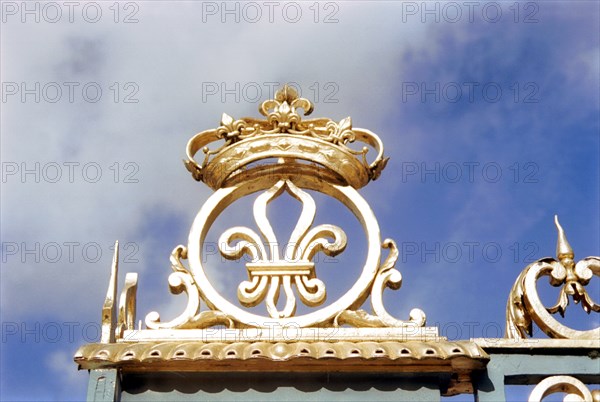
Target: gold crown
{"type": "Point", "coordinates": [283, 144]}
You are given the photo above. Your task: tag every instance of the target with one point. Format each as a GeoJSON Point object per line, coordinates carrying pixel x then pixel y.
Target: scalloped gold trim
{"type": "Point", "coordinates": [199, 356]}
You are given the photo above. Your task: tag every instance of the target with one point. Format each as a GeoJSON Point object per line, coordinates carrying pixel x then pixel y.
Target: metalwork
{"type": "Point", "coordinates": [134, 356]}
{"type": "Point", "coordinates": [285, 135]}
{"type": "Point", "coordinates": [525, 306]}
{"type": "Point", "coordinates": [575, 389]}
{"type": "Point", "coordinates": [127, 305]}
{"type": "Point", "coordinates": [336, 171]}
{"type": "Point", "coordinates": [284, 154]}
{"type": "Point", "coordinates": [109, 316]}
{"type": "Point", "coordinates": [295, 265]}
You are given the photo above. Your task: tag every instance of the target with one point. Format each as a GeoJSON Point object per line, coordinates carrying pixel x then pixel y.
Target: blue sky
{"type": "Point", "coordinates": [491, 122]}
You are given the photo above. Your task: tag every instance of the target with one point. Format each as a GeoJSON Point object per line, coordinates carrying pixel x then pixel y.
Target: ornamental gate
{"type": "Point", "coordinates": [285, 334]}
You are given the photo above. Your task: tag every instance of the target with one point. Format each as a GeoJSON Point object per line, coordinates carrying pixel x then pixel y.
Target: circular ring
{"type": "Point", "coordinates": [560, 383]}
{"type": "Point", "coordinates": [224, 197]}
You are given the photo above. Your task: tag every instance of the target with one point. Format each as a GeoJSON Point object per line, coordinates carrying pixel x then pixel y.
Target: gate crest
{"type": "Point", "coordinates": [285, 153]}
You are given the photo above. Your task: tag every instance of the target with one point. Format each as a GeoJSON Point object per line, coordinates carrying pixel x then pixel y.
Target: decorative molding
{"type": "Point", "coordinates": [303, 356]}
{"type": "Point", "coordinates": [539, 345]}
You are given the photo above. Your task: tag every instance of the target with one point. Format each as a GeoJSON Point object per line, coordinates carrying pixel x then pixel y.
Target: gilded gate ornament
{"type": "Point", "coordinates": [525, 306]}
{"type": "Point", "coordinates": [285, 316]}
{"type": "Point", "coordinates": [282, 154]}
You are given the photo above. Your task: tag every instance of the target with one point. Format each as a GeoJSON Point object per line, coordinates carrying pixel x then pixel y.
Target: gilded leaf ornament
{"type": "Point", "coordinates": [525, 307]}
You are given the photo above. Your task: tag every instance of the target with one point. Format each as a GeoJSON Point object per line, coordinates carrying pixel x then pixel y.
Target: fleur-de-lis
{"type": "Point", "coordinates": [230, 130]}
{"type": "Point", "coordinates": [340, 133]}
{"type": "Point", "coordinates": [575, 276]}
{"type": "Point", "coordinates": [524, 306]}
{"type": "Point", "coordinates": [284, 115]}
{"type": "Point", "coordinates": [269, 269]}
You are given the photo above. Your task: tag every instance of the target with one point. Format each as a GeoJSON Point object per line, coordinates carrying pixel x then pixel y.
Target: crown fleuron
{"type": "Point", "coordinates": [284, 144]}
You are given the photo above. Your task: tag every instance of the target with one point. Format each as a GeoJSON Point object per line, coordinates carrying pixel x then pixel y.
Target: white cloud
{"type": "Point", "coordinates": [68, 379]}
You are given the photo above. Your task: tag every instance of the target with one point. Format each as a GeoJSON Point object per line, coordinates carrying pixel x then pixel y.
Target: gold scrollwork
{"type": "Point", "coordinates": [180, 281]}
{"type": "Point", "coordinates": [311, 155]}
{"type": "Point", "coordinates": [271, 269]}
{"type": "Point", "coordinates": [387, 276]}
{"type": "Point", "coordinates": [576, 390]}
{"type": "Point", "coordinates": [525, 306]}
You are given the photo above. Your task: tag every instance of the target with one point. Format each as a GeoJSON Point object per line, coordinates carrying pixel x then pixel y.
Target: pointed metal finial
{"type": "Point", "coordinates": [563, 248]}
{"type": "Point", "coordinates": [109, 312]}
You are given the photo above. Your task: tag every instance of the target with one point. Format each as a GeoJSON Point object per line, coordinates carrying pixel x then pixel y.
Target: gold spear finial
{"type": "Point", "coordinates": [563, 248]}
{"type": "Point", "coordinates": [109, 313]}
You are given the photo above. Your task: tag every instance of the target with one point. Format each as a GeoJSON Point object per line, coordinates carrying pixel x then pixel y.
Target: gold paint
{"type": "Point", "coordinates": [538, 345]}
{"type": "Point", "coordinates": [282, 153]}
{"type": "Point", "coordinates": [576, 390]}
{"type": "Point", "coordinates": [525, 306]}
{"type": "Point", "coordinates": [563, 248]}
{"type": "Point", "coordinates": [294, 267]}
{"type": "Point", "coordinates": [127, 304]}
{"type": "Point", "coordinates": [284, 134]}
{"type": "Point", "coordinates": [285, 142]}
{"type": "Point", "coordinates": [109, 318]}
{"type": "Point", "coordinates": [124, 354]}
